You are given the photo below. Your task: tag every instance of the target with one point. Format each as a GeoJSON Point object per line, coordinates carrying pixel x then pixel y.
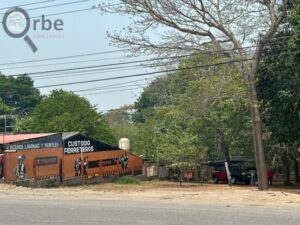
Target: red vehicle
{"type": "Point", "coordinates": [239, 169]}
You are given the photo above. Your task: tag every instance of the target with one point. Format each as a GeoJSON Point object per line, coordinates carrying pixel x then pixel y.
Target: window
{"type": "Point", "coordinates": [110, 162]}
{"type": "Point", "coordinates": [94, 164]}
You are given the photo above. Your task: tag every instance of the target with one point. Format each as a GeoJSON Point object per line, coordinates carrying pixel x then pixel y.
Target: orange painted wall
{"type": "Point", "coordinates": [11, 161]}
{"type": "Point", "coordinates": [134, 162]}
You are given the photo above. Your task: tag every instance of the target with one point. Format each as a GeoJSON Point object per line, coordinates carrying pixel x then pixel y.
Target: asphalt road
{"type": "Point", "coordinates": [88, 212]}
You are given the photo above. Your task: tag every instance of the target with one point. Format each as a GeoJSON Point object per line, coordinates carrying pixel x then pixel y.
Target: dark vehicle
{"type": "Point", "coordinates": [239, 169]}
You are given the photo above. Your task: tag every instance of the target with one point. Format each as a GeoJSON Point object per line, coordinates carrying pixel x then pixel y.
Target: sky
{"type": "Point", "coordinates": [84, 33]}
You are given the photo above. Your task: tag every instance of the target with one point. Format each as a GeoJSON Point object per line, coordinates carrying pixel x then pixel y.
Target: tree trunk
{"type": "Point", "coordinates": [286, 166]}
{"type": "Point", "coordinates": [296, 168]}
{"type": "Point", "coordinates": [196, 173]}
{"type": "Point", "coordinates": [257, 136]}
{"type": "Point", "coordinates": [222, 144]}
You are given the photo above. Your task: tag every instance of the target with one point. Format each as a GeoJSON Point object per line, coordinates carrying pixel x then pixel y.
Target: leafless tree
{"type": "Point", "coordinates": [237, 28]}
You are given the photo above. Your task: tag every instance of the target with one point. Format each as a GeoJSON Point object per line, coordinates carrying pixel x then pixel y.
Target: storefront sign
{"type": "Point", "coordinates": [53, 141]}
{"type": "Point", "coordinates": [76, 147]}
{"type": "Point", "coordinates": [79, 143]}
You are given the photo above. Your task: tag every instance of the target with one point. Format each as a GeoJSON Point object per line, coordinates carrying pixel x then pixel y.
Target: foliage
{"type": "Point", "coordinates": [64, 112]}
{"type": "Point", "coordinates": [179, 116]}
{"type": "Point", "coordinates": [279, 86]}
{"type": "Point", "coordinates": [19, 94]}
{"type": "Point", "coordinates": [178, 27]}
{"type": "Point", "coordinates": [279, 94]}
{"type": "Point", "coordinates": [128, 180]}
{"type": "Point", "coordinates": [120, 122]}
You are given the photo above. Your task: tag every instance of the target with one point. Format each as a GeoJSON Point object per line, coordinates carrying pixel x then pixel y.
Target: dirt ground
{"type": "Point", "coordinates": [163, 191]}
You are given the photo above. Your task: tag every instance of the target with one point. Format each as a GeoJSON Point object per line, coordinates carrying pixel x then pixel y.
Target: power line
{"type": "Point", "coordinates": [35, 3]}
{"type": "Point", "coordinates": [63, 57]}
{"type": "Point", "coordinates": [145, 74]}
{"type": "Point", "coordinates": [108, 65]}
{"type": "Point", "coordinates": [150, 73]}
{"type": "Point", "coordinates": [126, 49]}
{"type": "Point", "coordinates": [64, 13]}
{"type": "Point", "coordinates": [57, 5]}
{"type": "Point", "coordinates": [111, 85]}
{"type": "Point", "coordinates": [105, 92]}
{"type": "Point", "coordinates": [52, 6]}
{"type": "Point", "coordinates": [96, 71]}
{"type": "Point", "coordinates": [111, 69]}
{"type": "Point", "coordinates": [100, 66]}
{"type": "Point", "coordinates": [90, 72]}
{"type": "Point", "coordinates": [66, 63]}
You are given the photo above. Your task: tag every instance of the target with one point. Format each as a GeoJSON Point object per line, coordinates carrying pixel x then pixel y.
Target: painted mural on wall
{"type": "Point", "coordinates": [77, 166]}
{"type": "Point", "coordinates": [20, 169]}
{"type": "Point", "coordinates": [124, 161]}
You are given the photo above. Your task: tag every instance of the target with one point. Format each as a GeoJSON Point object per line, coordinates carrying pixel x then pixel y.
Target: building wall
{"type": "Point", "coordinates": [11, 162]}
{"type": "Point", "coordinates": [68, 163]}
{"type": "Point", "coordinates": [134, 163]}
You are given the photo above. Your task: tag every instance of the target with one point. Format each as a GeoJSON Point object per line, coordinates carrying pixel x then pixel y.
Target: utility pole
{"type": "Point", "coordinates": [5, 126]}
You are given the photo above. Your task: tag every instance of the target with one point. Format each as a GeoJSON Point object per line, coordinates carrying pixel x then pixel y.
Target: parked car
{"type": "Point", "coordinates": [240, 172]}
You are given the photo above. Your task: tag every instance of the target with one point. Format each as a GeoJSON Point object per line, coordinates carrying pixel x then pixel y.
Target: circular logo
{"type": "Point", "coordinates": [16, 22]}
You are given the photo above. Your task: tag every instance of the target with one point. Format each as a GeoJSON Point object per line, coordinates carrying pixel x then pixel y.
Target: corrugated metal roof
{"type": "Point", "coordinates": [11, 138]}
{"type": "Point", "coordinates": [66, 135]}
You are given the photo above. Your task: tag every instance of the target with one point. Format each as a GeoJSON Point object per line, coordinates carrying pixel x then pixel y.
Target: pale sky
{"type": "Point", "coordinates": [83, 33]}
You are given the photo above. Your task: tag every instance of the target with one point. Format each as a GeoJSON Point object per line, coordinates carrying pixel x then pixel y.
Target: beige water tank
{"type": "Point", "coordinates": [124, 143]}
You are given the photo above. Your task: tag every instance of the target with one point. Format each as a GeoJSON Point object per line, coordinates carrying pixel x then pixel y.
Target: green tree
{"type": "Point", "coordinates": [120, 121]}
{"type": "Point", "coordinates": [189, 116]}
{"type": "Point", "coordinates": [279, 94]}
{"type": "Point", "coordinates": [64, 112]}
{"type": "Point", "coordinates": [19, 94]}
{"type": "Point", "coordinates": [183, 26]}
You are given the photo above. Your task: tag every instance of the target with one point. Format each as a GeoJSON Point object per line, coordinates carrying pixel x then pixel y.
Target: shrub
{"type": "Point", "coordinates": [128, 180]}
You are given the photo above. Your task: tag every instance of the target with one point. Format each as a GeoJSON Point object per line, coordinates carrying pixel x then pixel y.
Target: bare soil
{"type": "Point", "coordinates": [163, 191]}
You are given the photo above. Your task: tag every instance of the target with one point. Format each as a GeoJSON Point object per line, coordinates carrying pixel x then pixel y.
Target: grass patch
{"type": "Point", "coordinates": [128, 180]}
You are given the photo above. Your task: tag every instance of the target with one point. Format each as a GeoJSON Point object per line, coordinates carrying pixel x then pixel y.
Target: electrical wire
{"type": "Point", "coordinates": [60, 58]}
{"type": "Point", "coordinates": [128, 49]}
{"type": "Point", "coordinates": [35, 3]}
{"type": "Point", "coordinates": [111, 85]}
{"type": "Point", "coordinates": [64, 13]}
{"type": "Point", "coordinates": [106, 65]}
{"type": "Point", "coordinates": [144, 74]}
{"type": "Point", "coordinates": [110, 69]}
{"type": "Point", "coordinates": [52, 6]}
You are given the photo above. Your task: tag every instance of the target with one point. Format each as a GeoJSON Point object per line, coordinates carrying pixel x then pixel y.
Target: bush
{"type": "Point", "coordinates": [128, 180]}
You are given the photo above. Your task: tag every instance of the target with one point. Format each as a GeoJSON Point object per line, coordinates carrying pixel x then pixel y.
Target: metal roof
{"type": "Point", "coordinates": [66, 135]}
{"type": "Point", "coordinates": [11, 138]}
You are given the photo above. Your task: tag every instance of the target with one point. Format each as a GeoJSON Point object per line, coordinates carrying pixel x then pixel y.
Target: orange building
{"type": "Point", "coordinates": [62, 156]}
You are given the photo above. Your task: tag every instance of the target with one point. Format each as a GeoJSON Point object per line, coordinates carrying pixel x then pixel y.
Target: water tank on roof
{"type": "Point", "coordinates": [124, 143]}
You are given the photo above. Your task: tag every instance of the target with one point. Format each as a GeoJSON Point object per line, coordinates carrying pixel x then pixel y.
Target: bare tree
{"type": "Point", "coordinates": [237, 28]}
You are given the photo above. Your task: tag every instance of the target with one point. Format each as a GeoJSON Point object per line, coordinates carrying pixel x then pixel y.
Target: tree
{"type": "Point", "coordinates": [64, 112]}
{"type": "Point", "coordinates": [120, 121]}
{"type": "Point", "coordinates": [182, 115]}
{"type": "Point", "coordinates": [279, 92]}
{"type": "Point", "coordinates": [19, 94]}
{"type": "Point", "coordinates": [185, 26]}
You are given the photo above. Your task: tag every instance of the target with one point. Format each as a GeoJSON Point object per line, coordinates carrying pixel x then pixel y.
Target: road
{"type": "Point", "coordinates": [108, 212]}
